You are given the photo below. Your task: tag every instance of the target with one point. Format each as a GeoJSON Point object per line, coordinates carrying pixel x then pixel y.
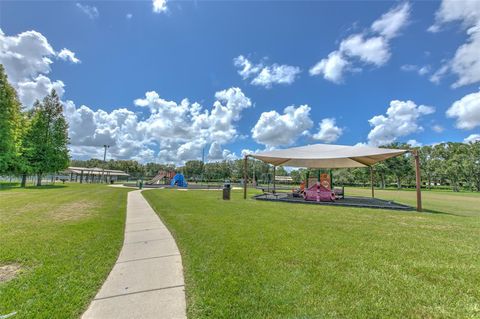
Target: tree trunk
{"type": "Point", "coordinates": [399, 183]}
{"type": "Point", "coordinates": [454, 187]}
{"type": "Point", "coordinates": [39, 179]}
{"type": "Point", "coordinates": [24, 181]}
{"type": "Point", "coordinates": [383, 181]}
{"type": "Point", "coordinates": [429, 182]}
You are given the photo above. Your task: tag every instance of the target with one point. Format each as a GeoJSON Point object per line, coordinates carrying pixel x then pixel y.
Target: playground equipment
{"type": "Point", "coordinates": [321, 190]}
{"type": "Point", "coordinates": [319, 193]}
{"type": "Point", "coordinates": [178, 180]}
{"type": "Point", "coordinates": [163, 177]}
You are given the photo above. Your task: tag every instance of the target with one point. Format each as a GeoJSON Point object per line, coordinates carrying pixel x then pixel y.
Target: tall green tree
{"type": "Point", "coordinates": [401, 166]}
{"type": "Point", "coordinates": [193, 169]}
{"type": "Point", "coordinates": [381, 172]}
{"type": "Point", "coordinates": [46, 141]}
{"type": "Point", "coordinates": [11, 125]}
{"type": "Point", "coordinates": [473, 164]}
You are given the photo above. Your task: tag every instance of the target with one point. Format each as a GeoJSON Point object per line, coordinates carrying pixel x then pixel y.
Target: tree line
{"type": "Point", "coordinates": [32, 142]}
{"type": "Point", "coordinates": [447, 165]}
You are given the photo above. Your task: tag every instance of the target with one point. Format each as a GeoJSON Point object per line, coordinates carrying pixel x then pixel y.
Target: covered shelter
{"type": "Point", "coordinates": [333, 156]}
{"type": "Point", "coordinates": [93, 174]}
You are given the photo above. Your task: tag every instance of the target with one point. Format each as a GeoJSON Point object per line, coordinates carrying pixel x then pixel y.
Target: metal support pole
{"type": "Point", "coordinates": [418, 180]}
{"type": "Point", "coordinates": [245, 176]}
{"type": "Point", "coordinates": [274, 189]}
{"type": "Point", "coordinates": [254, 177]}
{"type": "Point", "coordinates": [372, 181]}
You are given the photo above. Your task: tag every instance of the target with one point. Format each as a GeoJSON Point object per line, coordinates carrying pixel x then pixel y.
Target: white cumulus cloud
{"type": "Point", "coordinates": [27, 58]}
{"type": "Point", "coordinates": [25, 55]}
{"type": "Point", "coordinates": [472, 138]}
{"type": "Point", "coordinates": [369, 48]}
{"type": "Point", "coordinates": [466, 111]}
{"type": "Point", "coordinates": [184, 129]}
{"type": "Point", "coordinates": [179, 130]}
{"type": "Point", "coordinates": [414, 143]}
{"type": "Point", "coordinates": [465, 64]}
{"type": "Point", "coordinates": [274, 129]}
{"type": "Point", "coordinates": [401, 119]}
{"type": "Point", "coordinates": [67, 55]}
{"type": "Point", "coordinates": [332, 68]}
{"type": "Point", "coordinates": [89, 130]}
{"type": "Point", "coordinates": [266, 75]}
{"type": "Point", "coordinates": [373, 50]}
{"type": "Point", "coordinates": [328, 131]}
{"type": "Point", "coordinates": [391, 23]}
{"type": "Point", "coordinates": [31, 90]}
{"type": "Point", "coordinates": [159, 6]}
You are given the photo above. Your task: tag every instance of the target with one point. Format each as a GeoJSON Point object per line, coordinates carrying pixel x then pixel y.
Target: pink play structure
{"type": "Point", "coordinates": [318, 192]}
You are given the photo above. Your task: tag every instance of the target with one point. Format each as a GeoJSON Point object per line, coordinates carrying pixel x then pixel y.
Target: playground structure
{"type": "Point", "coordinates": [162, 178]}
{"type": "Point", "coordinates": [168, 178]}
{"type": "Point", "coordinates": [328, 156]}
{"type": "Point", "coordinates": [178, 180]}
{"type": "Point", "coordinates": [320, 190]}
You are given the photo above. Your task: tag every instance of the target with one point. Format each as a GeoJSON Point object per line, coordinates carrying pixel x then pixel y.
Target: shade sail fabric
{"type": "Point", "coordinates": [328, 156]}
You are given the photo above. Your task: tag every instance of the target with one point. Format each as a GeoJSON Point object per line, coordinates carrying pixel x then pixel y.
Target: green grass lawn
{"type": "Point", "coordinates": [66, 239]}
{"type": "Point", "coordinates": [462, 203]}
{"type": "Point", "coordinates": [253, 259]}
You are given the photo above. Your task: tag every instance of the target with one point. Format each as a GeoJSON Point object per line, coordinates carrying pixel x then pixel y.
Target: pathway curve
{"type": "Point", "coordinates": [147, 279]}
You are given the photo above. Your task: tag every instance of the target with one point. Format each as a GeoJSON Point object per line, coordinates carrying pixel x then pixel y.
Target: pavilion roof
{"type": "Point", "coordinates": [95, 171]}
{"type": "Point", "coordinates": [328, 156]}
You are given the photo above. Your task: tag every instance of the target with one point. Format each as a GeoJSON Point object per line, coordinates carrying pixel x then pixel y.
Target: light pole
{"type": "Point", "coordinates": [203, 164]}
{"type": "Point", "coordinates": [105, 152]}
{"type": "Point", "coordinates": [104, 159]}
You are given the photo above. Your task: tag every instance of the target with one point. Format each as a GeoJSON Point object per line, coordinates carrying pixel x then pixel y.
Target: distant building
{"type": "Point", "coordinates": [284, 179]}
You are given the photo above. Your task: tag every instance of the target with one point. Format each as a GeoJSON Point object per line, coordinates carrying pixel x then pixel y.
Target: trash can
{"type": "Point", "coordinates": [226, 191]}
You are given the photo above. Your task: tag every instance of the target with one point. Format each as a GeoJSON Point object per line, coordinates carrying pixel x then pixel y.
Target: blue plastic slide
{"type": "Point", "coordinates": [178, 180]}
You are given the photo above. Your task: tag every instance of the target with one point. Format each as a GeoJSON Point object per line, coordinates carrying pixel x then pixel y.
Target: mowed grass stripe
{"type": "Point", "coordinates": [66, 239]}
{"type": "Point", "coordinates": [251, 259]}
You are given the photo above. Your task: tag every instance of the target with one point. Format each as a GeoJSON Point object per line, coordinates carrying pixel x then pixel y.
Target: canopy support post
{"type": "Point", "coordinates": [418, 180]}
{"type": "Point", "coordinates": [245, 175]}
{"type": "Point", "coordinates": [274, 189]}
{"type": "Point", "coordinates": [372, 182]}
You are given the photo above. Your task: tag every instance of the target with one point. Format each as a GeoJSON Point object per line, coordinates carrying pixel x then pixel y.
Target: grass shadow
{"type": "Point", "coordinates": [4, 187]}
{"type": "Point", "coordinates": [437, 212]}
{"type": "Point", "coordinates": [47, 186]}
{"type": "Point", "coordinates": [7, 186]}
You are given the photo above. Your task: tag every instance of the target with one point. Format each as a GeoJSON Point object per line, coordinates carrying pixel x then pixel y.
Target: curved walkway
{"type": "Point", "coordinates": [147, 279]}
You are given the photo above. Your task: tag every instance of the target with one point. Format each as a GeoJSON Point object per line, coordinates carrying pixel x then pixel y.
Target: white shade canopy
{"type": "Point", "coordinates": [328, 156]}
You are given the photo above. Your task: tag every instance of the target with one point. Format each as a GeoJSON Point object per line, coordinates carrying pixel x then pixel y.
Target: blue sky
{"type": "Point", "coordinates": [291, 55]}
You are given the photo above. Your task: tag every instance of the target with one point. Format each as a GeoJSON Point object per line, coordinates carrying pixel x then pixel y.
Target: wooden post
{"type": "Point", "coordinates": [418, 180]}
{"type": "Point", "coordinates": [274, 168]}
{"type": "Point", "coordinates": [372, 181]}
{"type": "Point", "coordinates": [245, 176]}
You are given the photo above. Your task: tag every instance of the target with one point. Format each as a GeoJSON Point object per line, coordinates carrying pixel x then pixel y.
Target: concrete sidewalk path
{"type": "Point", "coordinates": [147, 279]}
